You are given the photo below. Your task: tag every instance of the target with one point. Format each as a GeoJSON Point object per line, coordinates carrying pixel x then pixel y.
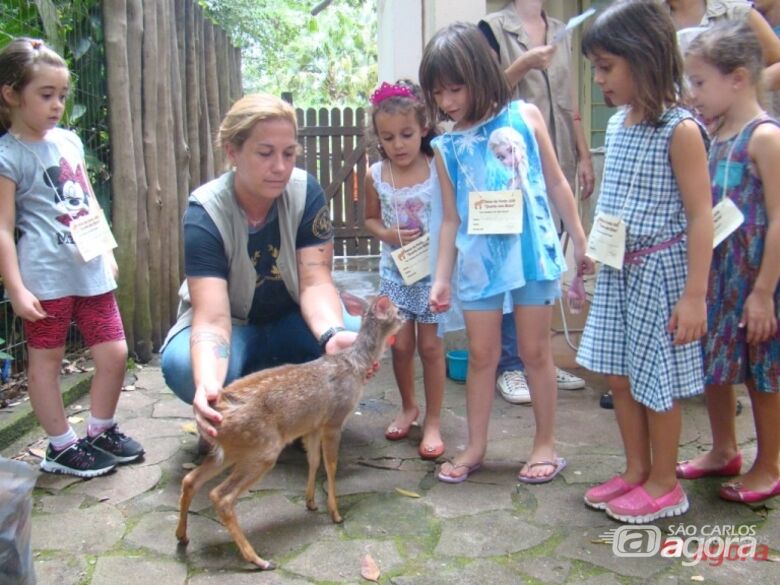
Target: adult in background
{"type": "Point", "coordinates": [258, 251]}
{"type": "Point", "coordinates": [521, 35]}
{"type": "Point", "coordinates": [692, 16]}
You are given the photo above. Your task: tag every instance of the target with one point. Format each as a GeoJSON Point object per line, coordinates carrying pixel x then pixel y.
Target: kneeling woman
{"type": "Point", "coordinates": [258, 249]}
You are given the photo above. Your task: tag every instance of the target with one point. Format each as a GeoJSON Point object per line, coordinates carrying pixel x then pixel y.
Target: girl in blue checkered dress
{"type": "Point", "coordinates": [647, 315]}
{"type": "Point", "coordinates": [742, 345]}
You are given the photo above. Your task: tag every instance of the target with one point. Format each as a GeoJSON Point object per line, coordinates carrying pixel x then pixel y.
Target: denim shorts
{"type": "Point", "coordinates": [534, 293]}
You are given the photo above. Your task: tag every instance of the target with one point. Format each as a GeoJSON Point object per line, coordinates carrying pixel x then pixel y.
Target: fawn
{"type": "Point", "coordinates": [264, 411]}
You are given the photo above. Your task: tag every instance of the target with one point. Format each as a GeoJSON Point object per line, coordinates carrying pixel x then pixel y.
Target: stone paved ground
{"type": "Point", "coordinates": [119, 530]}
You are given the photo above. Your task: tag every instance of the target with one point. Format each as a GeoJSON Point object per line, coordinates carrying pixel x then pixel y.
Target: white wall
{"type": "Point", "coordinates": [400, 38]}
{"type": "Point", "coordinates": [406, 25]}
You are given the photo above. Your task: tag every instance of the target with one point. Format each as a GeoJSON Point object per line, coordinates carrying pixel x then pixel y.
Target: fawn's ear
{"type": "Point", "coordinates": [354, 305]}
{"type": "Point", "coordinates": [382, 306]}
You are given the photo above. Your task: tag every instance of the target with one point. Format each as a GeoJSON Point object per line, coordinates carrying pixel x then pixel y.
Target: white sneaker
{"type": "Point", "coordinates": [513, 387]}
{"type": "Point", "coordinates": [567, 381]}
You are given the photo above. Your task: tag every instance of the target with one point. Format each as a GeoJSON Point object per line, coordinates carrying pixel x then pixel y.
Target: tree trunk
{"type": "Point", "coordinates": [212, 91]}
{"type": "Point", "coordinates": [193, 95]}
{"type": "Point", "coordinates": [153, 203]}
{"type": "Point", "coordinates": [142, 323]}
{"type": "Point", "coordinates": [223, 71]}
{"type": "Point", "coordinates": [180, 141]}
{"type": "Point", "coordinates": [123, 180]}
{"type": "Point", "coordinates": [236, 91]}
{"type": "Point", "coordinates": [206, 130]}
{"type": "Point", "coordinates": [166, 171]}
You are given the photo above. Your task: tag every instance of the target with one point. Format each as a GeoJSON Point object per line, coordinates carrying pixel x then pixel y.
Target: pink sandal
{"type": "Point", "coordinates": [686, 470]}
{"type": "Point", "coordinates": [734, 492]}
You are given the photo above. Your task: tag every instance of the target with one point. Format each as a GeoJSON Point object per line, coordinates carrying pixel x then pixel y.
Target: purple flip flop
{"type": "Point", "coordinates": [459, 478]}
{"type": "Point", "coordinates": [559, 464]}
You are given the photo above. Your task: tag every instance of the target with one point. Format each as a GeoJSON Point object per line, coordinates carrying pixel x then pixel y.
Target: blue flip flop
{"type": "Point", "coordinates": [559, 465]}
{"type": "Point", "coordinates": [458, 478]}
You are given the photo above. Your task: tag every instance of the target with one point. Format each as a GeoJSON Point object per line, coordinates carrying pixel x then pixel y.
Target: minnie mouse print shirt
{"type": "Point", "coordinates": [51, 191]}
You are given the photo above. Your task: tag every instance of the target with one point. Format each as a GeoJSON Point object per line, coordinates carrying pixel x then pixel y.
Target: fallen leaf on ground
{"type": "Point", "coordinates": [129, 387]}
{"type": "Point", "coordinates": [188, 465]}
{"type": "Point", "coordinates": [75, 419]}
{"type": "Point", "coordinates": [697, 578]}
{"type": "Point", "coordinates": [37, 452]}
{"type": "Point", "coordinates": [407, 493]}
{"type": "Point", "coordinates": [189, 427]}
{"type": "Point", "coordinates": [369, 569]}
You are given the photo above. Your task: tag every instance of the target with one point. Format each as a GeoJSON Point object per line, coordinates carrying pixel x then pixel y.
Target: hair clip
{"type": "Point", "coordinates": [387, 90]}
{"type": "Point", "coordinates": [36, 44]}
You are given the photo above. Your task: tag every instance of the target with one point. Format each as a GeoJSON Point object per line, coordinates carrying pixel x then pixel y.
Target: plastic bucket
{"type": "Point", "coordinates": [457, 364]}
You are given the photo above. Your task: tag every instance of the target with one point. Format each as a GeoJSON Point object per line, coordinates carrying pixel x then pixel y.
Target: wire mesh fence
{"type": "Point", "coordinates": [74, 29]}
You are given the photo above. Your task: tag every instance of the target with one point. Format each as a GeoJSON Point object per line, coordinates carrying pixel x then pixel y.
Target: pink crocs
{"type": "Point", "coordinates": [600, 495]}
{"type": "Point", "coordinates": [639, 507]}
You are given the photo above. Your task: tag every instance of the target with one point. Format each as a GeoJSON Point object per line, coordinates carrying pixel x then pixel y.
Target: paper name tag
{"type": "Point", "coordinates": [573, 23]}
{"type": "Point", "coordinates": [727, 218]}
{"type": "Point", "coordinates": [495, 212]}
{"type": "Point", "coordinates": [607, 241]}
{"type": "Point", "coordinates": [92, 235]}
{"type": "Point", "coordinates": [413, 259]}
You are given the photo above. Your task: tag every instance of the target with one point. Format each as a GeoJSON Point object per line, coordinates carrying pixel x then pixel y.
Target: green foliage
{"type": "Point", "coordinates": [329, 59]}
{"type": "Point", "coordinates": [79, 29]}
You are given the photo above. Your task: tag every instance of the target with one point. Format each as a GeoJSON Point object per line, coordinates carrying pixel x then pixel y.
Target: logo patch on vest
{"type": "Point", "coordinates": [322, 227]}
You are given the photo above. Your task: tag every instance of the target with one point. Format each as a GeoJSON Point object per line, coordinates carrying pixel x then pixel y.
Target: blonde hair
{"type": "Point", "coordinates": [19, 60]}
{"type": "Point", "coordinates": [248, 111]}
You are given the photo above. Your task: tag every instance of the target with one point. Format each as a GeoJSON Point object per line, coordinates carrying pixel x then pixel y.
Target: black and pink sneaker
{"type": "Point", "coordinates": [80, 459]}
{"type": "Point", "coordinates": [115, 443]}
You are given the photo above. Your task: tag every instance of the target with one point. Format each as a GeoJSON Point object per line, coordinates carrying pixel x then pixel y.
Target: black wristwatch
{"type": "Point", "coordinates": [325, 337]}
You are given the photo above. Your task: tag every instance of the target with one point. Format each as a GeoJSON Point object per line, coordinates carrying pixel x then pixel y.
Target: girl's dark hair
{"type": "Point", "coordinates": [458, 54]}
{"type": "Point", "coordinates": [727, 46]}
{"type": "Point", "coordinates": [18, 62]}
{"type": "Point", "coordinates": [402, 103]}
{"type": "Point", "coordinates": [642, 33]}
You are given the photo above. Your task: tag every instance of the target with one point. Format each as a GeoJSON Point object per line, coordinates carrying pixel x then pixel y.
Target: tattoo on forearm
{"type": "Point", "coordinates": [324, 263]}
{"type": "Point", "coordinates": [327, 262]}
{"type": "Point", "coordinates": [221, 345]}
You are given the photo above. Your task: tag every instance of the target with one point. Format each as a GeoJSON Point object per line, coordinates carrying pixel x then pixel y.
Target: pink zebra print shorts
{"type": "Point", "coordinates": [96, 317]}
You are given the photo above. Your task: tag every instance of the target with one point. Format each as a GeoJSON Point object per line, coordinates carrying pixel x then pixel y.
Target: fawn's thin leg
{"type": "Point", "coordinates": [190, 486]}
{"type": "Point", "coordinates": [331, 437]}
{"type": "Point", "coordinates": [313, 444]}
{"type": "Point", "coordinates": [224, 496]}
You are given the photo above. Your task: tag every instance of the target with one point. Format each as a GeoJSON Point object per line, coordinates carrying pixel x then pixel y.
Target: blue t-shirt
{"type": "Point", "coordinates": [478, 159]}
{"type": "Point", "coordinates": [204, 251]}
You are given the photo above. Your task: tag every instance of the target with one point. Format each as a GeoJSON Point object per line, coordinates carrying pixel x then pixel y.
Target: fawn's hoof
{"type": "Point", "coordinates": [265, 565]}
{"type": "Point", "coordinates": [336, 517]}
{"type": "Point", "coordinates": [312, 506]}
{"type": "Point", "coordinates": [183, 539]}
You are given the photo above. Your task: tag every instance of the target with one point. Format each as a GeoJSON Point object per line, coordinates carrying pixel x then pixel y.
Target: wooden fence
{"type": "Point", "coordinates": [336, 152]}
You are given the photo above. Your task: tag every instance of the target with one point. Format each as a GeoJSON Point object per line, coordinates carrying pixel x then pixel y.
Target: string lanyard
{"type": "Point", "coordinates": [91, 233]}
{"type": "Point", "coordinates": [515, 174]}
{"type": "Point", "coordinates": [50, 183]}
{"type": "Point", "coordinates": [395, 203]}
{"type": "Point", "coordinates": [724, 189]}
